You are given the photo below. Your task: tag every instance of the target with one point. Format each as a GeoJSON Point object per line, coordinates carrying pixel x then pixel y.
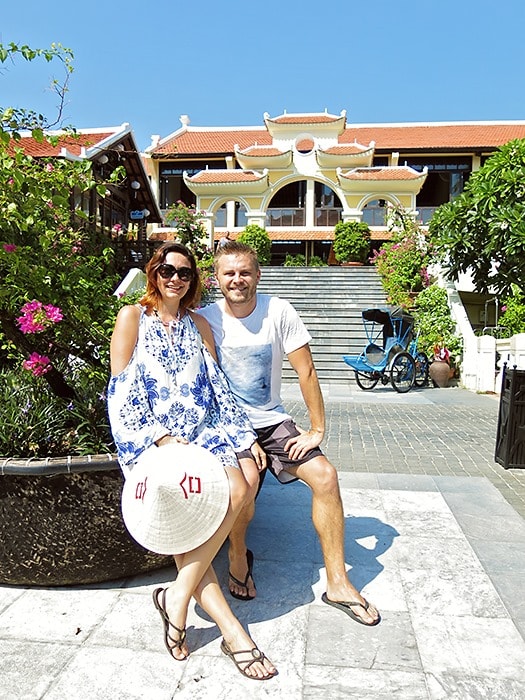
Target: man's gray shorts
{"type": "Point", "coordinates": [273, 439]}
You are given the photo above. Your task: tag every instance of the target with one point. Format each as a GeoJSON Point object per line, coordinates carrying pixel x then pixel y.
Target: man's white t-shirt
{"type": "Point", "coordinates": [251, 352]}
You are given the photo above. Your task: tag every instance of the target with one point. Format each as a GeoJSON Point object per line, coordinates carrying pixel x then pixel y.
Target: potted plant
{"type": "Point", "coordinates": [440, 370]}
{"type": "Point", "coordinates": [352, 242]}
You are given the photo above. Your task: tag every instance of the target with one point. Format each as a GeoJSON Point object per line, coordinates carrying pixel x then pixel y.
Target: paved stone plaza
{"type": "Point", "coordinates": [435, 536]}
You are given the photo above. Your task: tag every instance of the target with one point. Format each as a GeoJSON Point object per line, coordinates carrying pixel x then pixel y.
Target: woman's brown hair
{"type": "Point", "coordinates": [152, 296]}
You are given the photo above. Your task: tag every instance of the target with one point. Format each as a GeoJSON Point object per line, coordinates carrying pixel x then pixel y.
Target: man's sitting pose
{"type": "Point", "coordinates": [253, 332]}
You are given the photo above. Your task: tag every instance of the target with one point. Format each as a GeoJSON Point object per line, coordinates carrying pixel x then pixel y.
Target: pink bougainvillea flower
{"type": "Point", "coordinates": [37, 364]}
{"type": "Point", "coordinates": [49, 168]}
{"type": "Point", "coordinates": [9, 247]}
{"type": "Point", "coordinates": [29, 325]}
{"type": "Point", "coordinates": [53, 313]}
{"type": "Point", "coordinates": [36, 317]}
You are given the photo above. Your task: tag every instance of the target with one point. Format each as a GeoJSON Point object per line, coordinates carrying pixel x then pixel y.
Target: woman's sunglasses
{"type": "Point", "coordinates": [166, 271]}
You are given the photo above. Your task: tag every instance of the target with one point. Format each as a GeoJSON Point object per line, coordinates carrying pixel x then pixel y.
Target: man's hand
{"type": "Point", "coordinates": [298, 446]}
{"type": "Point", "coordinates": [259, 456]}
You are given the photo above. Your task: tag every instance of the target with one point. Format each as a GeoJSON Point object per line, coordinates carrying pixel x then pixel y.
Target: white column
{"type": "Point", "coordinates": [309, 204]}
{"type": "Point", "coordinates": [230, 215]}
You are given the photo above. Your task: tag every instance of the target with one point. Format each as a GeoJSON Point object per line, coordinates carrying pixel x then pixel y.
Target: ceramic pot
{"type": "Point", "coordinates": [439, 372]}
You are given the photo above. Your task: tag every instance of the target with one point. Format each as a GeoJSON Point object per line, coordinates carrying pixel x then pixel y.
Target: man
{"type": "Point", "coordinates": [252, 333]}
{"type": "Point", "coordinates": [224, 240]}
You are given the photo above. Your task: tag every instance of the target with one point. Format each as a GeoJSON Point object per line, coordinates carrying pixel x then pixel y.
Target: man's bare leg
{"type": "Point", "coordinates": [328, 520]}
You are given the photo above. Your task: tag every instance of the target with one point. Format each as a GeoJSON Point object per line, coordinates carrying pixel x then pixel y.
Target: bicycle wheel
{"type": "Point", "coordinates": [403, 372]}
{"type": "Point", "coordinates": [422, 364]}
{"type": "Point", "coordinates": [366, 380]}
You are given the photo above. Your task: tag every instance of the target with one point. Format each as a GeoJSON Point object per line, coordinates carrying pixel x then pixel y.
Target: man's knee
{"type": "Point", "coordinates": [239, 489]}
{"type": "Point", "coordinates": [252, 476]}
{"type": "Point", "coordinates": [320, 475]}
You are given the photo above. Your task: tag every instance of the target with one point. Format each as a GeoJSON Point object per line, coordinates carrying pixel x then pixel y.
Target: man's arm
{"type": "Point", "coordinates": [302, 363]}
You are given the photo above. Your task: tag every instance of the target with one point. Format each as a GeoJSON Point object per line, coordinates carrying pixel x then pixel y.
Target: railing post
{"type": "Point", "coordinates": [486, 363]}
{"type": "Point", "coordinates": [517, 350]}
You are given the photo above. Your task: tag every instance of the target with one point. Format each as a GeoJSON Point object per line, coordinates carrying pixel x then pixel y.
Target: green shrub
{"type": "Point", "coordinates": [435, 324]}
{"type": "Point", "coordinates": [259, 240]}
{"type": "Point", "coordinates": [316, 261]}
{"type": "Point", "coordinates": [295, 260]}
{"type": "Point", "coordinates": [352, 241]}
{"type": "Point", "coordinates": [513, 316]}
{"type": "Point", "coordinates": [37, 423]}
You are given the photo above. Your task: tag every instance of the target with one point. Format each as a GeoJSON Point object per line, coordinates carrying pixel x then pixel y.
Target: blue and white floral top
{"type": "Point", "coordinates": [172, 385]}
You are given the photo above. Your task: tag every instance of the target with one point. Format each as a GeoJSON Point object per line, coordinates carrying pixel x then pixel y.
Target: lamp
{"type": "Point", "coordinates": [135, 185]}
{"type": "Point", "coordinates": [103, 159]}
{"type": "Point", "coordinates": [146, 213]}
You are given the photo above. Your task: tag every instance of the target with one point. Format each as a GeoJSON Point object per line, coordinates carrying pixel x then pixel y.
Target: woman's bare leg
{"type": "Point", "coordinates": [193, 565]}
{"type": "Point", "coordinates": [210, 597]}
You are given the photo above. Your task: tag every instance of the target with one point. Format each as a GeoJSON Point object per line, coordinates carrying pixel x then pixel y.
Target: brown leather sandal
{"type": "Point", "coordinates": [175, 643]}
{"type": "Point", "coordinates": [244, 665]}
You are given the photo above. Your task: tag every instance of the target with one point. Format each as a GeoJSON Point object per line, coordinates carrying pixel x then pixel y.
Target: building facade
{"type": "Point", "coordinates": [300, 174]}
{"type": "Point", "coordinates": [122, 207]}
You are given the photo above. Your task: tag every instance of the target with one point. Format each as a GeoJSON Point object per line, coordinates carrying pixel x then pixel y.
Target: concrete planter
{"type": "Point", "coordinates": [61, 524]}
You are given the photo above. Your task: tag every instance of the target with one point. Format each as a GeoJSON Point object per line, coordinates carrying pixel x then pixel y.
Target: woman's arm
{"type": "Point", "coordinates": [124, 338]}
{"type": "Point", "coordinates": [123, 341]}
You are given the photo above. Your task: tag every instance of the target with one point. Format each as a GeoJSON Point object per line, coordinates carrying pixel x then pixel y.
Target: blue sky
{"type": "Point", "coordinates": [226, 63]}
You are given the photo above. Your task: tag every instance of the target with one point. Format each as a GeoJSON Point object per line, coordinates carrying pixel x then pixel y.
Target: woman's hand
{"type": "Point", "coordinates": [166, 439]}
{"type": "Point", "coordinates": [259, 456]}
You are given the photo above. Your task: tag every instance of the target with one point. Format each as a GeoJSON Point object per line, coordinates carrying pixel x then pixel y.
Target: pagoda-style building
{"type": "Point", "coordinates": [303, 173]}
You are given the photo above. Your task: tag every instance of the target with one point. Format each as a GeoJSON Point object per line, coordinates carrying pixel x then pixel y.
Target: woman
{"type": "Point", "coordinates": [166, 387]}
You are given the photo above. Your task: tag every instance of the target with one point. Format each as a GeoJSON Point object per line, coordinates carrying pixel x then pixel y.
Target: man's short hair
{"type": "Point", "coordinates": [237, 248]}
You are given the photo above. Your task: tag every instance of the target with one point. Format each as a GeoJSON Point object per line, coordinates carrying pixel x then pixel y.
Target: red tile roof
{"type": "Point", "coordinates": [73, 144]}
{"type": "Point", "coordinates": [282, 234]}
{"type": "Point", "coordinates": [345, 149]}
{"type": "Point", "coordinates": [211, 141]}
{"type": "Point", "coordinates": [398, 173]}
{"type": "Point", "coordinates": [303, 119]}
{"type": "Point", "coordinates": [425, 137]}
{"type": "Point", "coordinates": [262, 151]}
{"type": "Point", "coordinates": [212, 176]}
{"type": "Point", "coordinates": [285, 234]}
{"type": "Point", "coordinates": [387, 137]}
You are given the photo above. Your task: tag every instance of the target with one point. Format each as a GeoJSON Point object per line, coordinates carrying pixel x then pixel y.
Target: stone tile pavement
{"type": "Point", "coordinates": [435, 536]}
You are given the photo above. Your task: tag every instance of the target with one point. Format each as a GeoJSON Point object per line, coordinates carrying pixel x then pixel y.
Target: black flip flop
{"type": "Point", "coordinates": [244, 584]}
{"type": "Point", "coordinates": [346, 607]}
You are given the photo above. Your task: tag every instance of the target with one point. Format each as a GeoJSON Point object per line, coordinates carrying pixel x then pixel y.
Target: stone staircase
{"type": "Point", "coordinates": [330, 301]}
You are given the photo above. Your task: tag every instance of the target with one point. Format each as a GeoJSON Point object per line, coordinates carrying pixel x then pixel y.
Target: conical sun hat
{"type": "Point", "coordinates": [175, 498]}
